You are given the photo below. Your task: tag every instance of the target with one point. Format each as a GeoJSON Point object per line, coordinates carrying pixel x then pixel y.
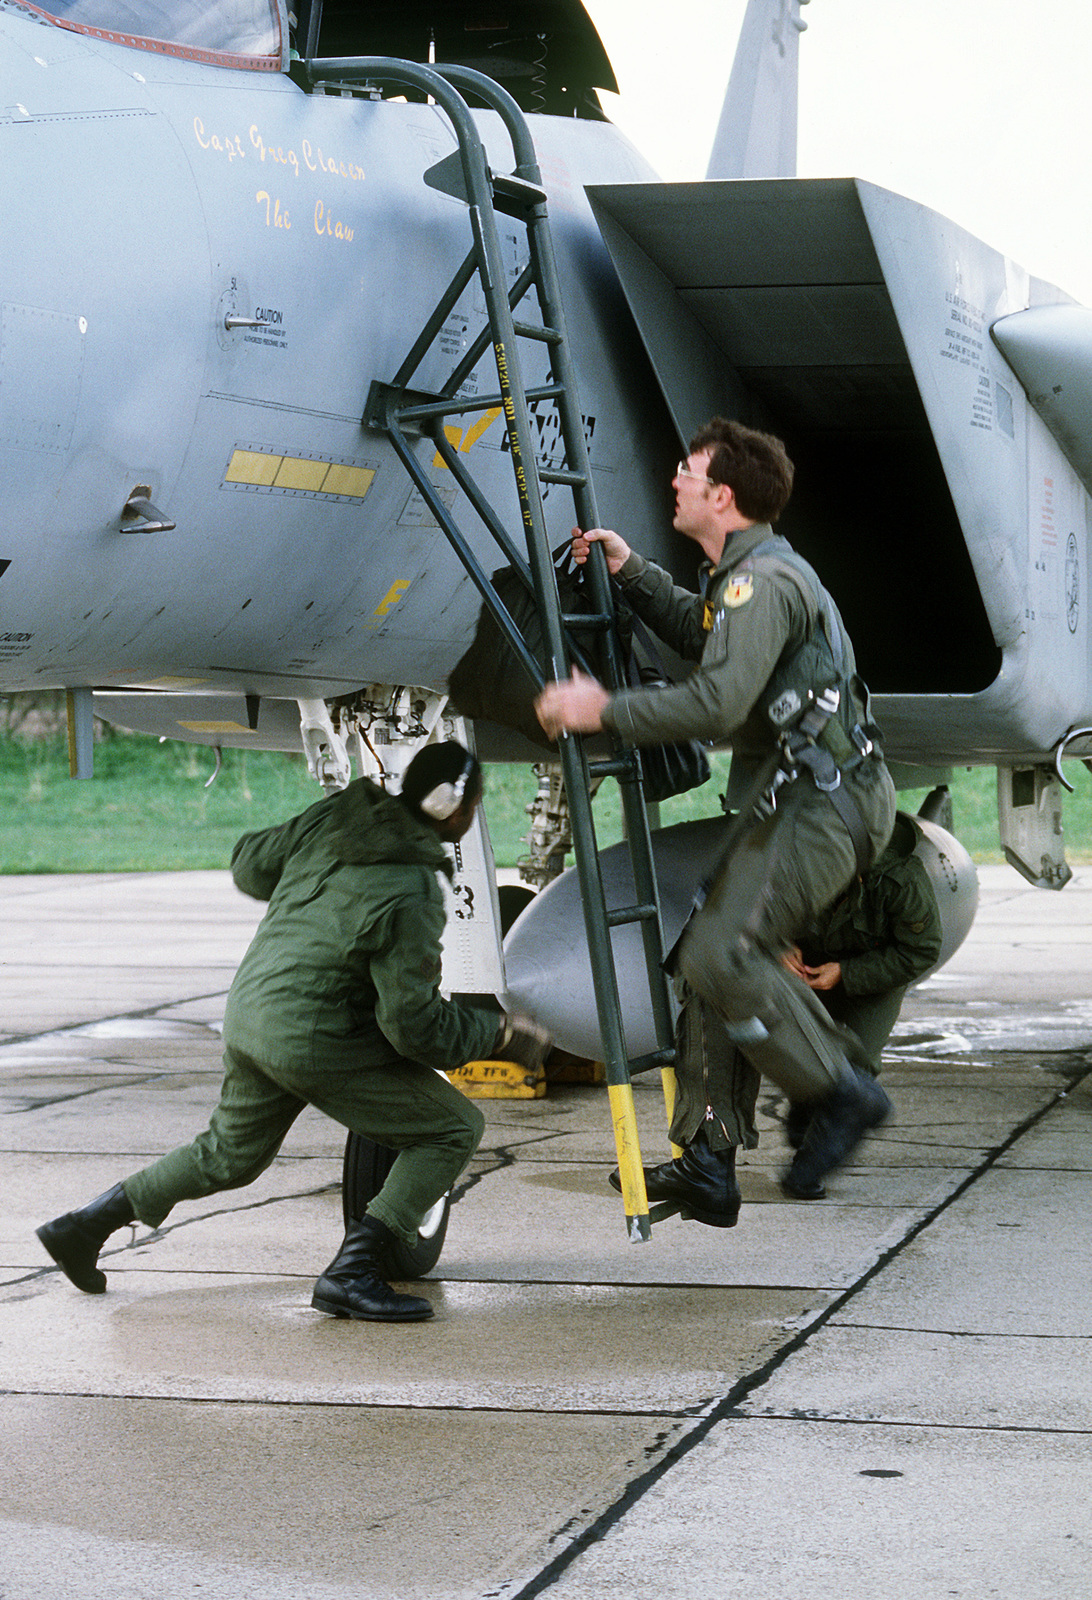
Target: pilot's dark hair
{"type": "Point", "coordinates": [754, 466]}
{"type": "Point", "coordinates": [439, 780]}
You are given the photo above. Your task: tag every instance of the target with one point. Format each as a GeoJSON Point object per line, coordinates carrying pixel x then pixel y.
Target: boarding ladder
{"type": "Point", "coordinates": [405, 415]}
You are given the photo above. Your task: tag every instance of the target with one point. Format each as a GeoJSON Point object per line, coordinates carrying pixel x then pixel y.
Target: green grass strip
{"type": "Point", "coordinates": [147, 808]}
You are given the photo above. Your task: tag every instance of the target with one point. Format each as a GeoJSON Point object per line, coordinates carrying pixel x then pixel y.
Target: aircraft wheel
{"type": "Point", "coordinates": [364, 1172]}
{"type": "Point", "coordinates": [513, 898]}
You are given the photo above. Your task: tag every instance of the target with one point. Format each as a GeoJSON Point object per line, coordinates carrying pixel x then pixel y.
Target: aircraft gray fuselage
{"type": "Point", "coordinates": [148, 200]}
{"type": "Point", "coordinates": [155, 206]}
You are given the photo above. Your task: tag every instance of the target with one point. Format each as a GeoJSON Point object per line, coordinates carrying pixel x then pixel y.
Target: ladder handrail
{"type": "Point", "coordinates": [443, 85]}
{"type": "Point", "coordinates": [500, 100]}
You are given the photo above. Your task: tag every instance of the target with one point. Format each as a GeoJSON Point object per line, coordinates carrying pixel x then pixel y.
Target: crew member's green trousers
{"type": "Point", "coordinates": [719, 1077]}
{"type": "Point", "coordinates": [779, 875]}
{"type": "Point", "coordinates": [408, 1107]}
{"type": "Point", "coordinates": [872, 1017]}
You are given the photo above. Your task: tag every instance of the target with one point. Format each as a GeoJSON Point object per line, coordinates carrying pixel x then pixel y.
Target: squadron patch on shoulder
{"type": "Point", "coordinates": [739, 589]}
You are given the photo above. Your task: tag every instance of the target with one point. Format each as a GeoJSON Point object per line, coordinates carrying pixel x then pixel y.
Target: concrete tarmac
{"type": "Point", "coordinates": [884, 1394]}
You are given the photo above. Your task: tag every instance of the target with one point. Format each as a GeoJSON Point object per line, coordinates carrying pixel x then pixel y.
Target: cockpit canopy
{"type": "Point", "coordinates": [230, 33]}
{"type": "Point", "coordinates": [546, 53]}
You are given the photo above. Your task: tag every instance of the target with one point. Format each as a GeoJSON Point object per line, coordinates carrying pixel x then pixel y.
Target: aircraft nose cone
{"type": "Point", "coordinates": [546, 958]}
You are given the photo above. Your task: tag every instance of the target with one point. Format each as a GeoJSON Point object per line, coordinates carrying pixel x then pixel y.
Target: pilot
{"type": "Point", "coordinates": [814, 801]}
{"type": "Point", "coordinates": [860, 955]}
{"type": "Point", "coordinates": [336, 1004]}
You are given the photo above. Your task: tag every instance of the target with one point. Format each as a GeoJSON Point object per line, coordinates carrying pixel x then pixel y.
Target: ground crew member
{"type": "Point", "coordinates": [336, 1004]}
{"type": "Point", "coordinates": [860, 954]}
{"type": "Point", "coordinates": [776, 678]}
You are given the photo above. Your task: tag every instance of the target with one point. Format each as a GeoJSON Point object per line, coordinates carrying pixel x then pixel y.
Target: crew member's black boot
{"type": "Point", "coordinates": [74, 1240]}
{"type": "Point", "coordinates": [797, 1118]}
{"type": "Point", "coordinates": [701, 1180]}
{"type": "Point", "coordinates": [354, 1284]}
{"type": "Point", "coordinates": [838, 1125]}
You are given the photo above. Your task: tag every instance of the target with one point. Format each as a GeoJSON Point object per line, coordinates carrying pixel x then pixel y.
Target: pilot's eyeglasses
{"type": "Point", "coordinates": [683, 471]}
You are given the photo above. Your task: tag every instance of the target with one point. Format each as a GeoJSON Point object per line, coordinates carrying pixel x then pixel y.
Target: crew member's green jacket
{"type": "Point", "coordinates": [885, 929]}
{"type": "Point", "coordinates": [345, 967]}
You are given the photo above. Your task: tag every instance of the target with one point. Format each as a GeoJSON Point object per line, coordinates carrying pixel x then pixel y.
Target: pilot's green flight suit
{"type": "Point", "coordinates": [884, 930]}
{"type": "Point", "coordinates": [336, 1004]}
{"type": "Point", "coordinates": [762, 607]}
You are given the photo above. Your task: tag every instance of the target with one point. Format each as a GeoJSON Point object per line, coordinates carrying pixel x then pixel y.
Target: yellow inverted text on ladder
{"type": "Point", "coordinates": [464, 439]}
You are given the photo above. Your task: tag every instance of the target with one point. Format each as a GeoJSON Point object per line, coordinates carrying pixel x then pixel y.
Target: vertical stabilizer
{"type": "Point", "coordinates": [756, 135]}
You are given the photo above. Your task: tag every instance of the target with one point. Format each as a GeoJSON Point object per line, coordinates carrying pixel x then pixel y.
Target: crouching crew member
{"type": "Point", "coordinates": [860, 955]}
{"type": "Point", "coordinates": [337, 1005]}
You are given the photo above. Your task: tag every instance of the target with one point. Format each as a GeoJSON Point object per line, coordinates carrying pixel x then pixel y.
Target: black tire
{"type": "Point", "coordinates": [363, 1175]}
{"type": "Point", "coordinates": [513, 898]}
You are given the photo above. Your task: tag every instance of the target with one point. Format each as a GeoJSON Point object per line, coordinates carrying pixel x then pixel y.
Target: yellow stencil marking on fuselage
{"type": "Point", "coordinates": [392, 596]}
{"type": "Point", "coordinates": [215, 727]}
{"type": "Point", "coordinates": [461, 440]}
{"type": "Point", "coordinates": [258, 469]}
{"type": "Point", "coordinates": [454, 435]}
{"type": "Point", "coordinates": [248, 466]}
{"type": "Point", "coordinates": [354, 481]}
{"type": "Point", "coordinates": [297, 473]}
{"type": "Point", "coordinates": [472, 435]}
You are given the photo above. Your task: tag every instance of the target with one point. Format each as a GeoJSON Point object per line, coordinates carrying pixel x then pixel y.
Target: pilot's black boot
{"type": "Point", "coordinates": [74, 1240]}
{"type": "Point", "coordinates": [354, 1284]}
{"type": "Point", "coordinates": [701, 1180]}
{"type": "Point", "coordinates": [837, 1126]}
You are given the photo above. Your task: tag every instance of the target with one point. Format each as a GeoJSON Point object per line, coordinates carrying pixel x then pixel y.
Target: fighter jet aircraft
{"type": "Point", "coordinates": [224, 244]}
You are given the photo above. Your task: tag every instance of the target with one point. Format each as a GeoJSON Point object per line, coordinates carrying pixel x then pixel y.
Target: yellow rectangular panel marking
{"type": "Point", "coordinates": [249, 466]}
{"type": "Point", "coordinates": [296, 473]}
{"type": "Point", "coordinates": [215, 727]}
{"type": "Point", "coordinates": [348, 480]}
{"type": "Point", "coordinates": [261, 469]}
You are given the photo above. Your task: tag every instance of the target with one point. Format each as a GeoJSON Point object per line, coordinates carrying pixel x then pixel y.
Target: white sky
{"type": "Point", "coordinates": [981, 109]}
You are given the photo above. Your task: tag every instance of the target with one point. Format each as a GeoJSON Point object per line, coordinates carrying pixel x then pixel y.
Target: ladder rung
{"type": "Point", "coordinates": [559, 475]}
{"type": "Point", "coordinates": [624, 914]}
{"type": "Point", "coordinates": [609, 766]}
{"type": "Point", "coordinates": [586, 619]}
{"type": "Point", "coordinates": [658, 1058]}
{"type": "Point", "coordinates": [534, 330]}
{"type": "Point", "coordinates": [424, 410]}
